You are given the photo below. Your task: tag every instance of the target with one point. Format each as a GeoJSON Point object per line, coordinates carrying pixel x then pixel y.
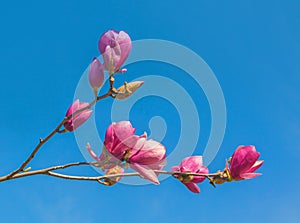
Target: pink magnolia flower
{"type": "Point", "coordinates": [115, 47]}
{"type": "Point", "coordinates": [192, 164]}
{"type": "Point", "coordinates": [78, 119]}
{"type": "Point", "coordinates": [116, 136]}
{"type": "Point", "coordinates": [121, 145]}
{"type": "Point", "coordinates": [114, 149]}
{"type": "Point", "coordinates": [96, 74]}
{"type": "Point", "coordinates": [244, 162]}
{"type": "Point", "coordinates": [145, 156]}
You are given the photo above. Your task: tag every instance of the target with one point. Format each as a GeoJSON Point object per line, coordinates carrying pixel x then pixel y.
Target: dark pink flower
{"type": "Point", "coordinates": [115, 47]}
{"type": "Point", "coordinates": [115, 138]}
{"type": "Point", "coordinates": [244, 162]}
{"type": "Point", "coordinates": [78, 119]}
{"type": "Point", "coordinates": [192, 164]}
{"type": "Point", "coordinates": [114, 148]}
{"type": "Point", "coordinates": [96, 74]}
{"type": "Point", "coordinates": [121, 145]}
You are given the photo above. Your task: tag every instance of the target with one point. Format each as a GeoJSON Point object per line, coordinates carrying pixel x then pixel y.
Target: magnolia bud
{"type": "Point", "coordinates": [128, 89]}
{"type": "Point", "coordinates": [77, 120]}
{"type": "Point", "coordinates": [115, 47]}
{"type": "Point", "coordinates": [112, 171]}
{"type": "Point", "coordinates": [96, 74]}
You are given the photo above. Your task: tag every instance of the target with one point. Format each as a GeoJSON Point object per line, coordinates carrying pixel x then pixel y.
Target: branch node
{"type": "Point", "coordinates": [211, 181]}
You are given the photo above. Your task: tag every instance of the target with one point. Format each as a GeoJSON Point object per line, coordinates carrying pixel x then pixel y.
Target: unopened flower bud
{"type": "Point", "coordinates": [244, 163]}
{"type": "Point", "coordinates": [77, 120]}
{"type": "Point", "coordinates": [96, 74]}
{"type": "Point", "coordinates": [128, 89]}
{"type": "Point", "coordinates": [112, 171]}
{"type": "Point", "coordinates": [115, 47]}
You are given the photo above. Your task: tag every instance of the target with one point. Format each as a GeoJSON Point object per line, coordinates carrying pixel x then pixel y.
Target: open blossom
{"type": "Point", "coordinates": [77, 120]}
{"type": "Point", "coordinates": [121, 145]}
{"type": "Point", "coordinates": [96, 74]}
{"type": "Point", "coordinates": [244, 163]}
{"type": "Point", "coordinates": [115, 47]}
{"type": "Point", "coordinates": [192, 164]}
{"type": "Point", "coordinates": [144, 156]}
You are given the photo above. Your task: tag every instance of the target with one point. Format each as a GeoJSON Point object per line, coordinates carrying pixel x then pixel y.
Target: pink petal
{"type": "Point", "coordinates": [152, 152]}
{"type": "Point", "coordinates": [91, 152]}
{"type": "Point", "coordinates": [76, 120]}
{"type": "Point", "coordinates": [199, 179]}
{"type": "Point", "coordinates": [145, 173]}
{"type": "Point", "coordinates": [73, 108]}
{"type": "Point", "coordinates": [193, 187]}
{"type": "Point", "coordinates": [256, 165]}
{"type": "Point", "coordinates": [249, 175]}
{"type": "Point", "coordinates": [107, 38]}
{"type": "Point", "coordinates": [125, 45]}
{"type": "Point", "coordinates": [81, 118]}
{"type": "Point", "coordinates": [111, 58]}
{"type": "Point", "coordinates": [157, 166]}
{"type": "Point", "coordinates": [127, 145]}
{"type": "Point", "coordinates": [192, 163]}
{"type": "Point", "coordinates": [96, 74]}
{"type": "Point", "coordinates": [175, 169]}
{"type": "Point", "coordinates": [116, 133]}
{"type": "Point", "coordinates": [82, 105]}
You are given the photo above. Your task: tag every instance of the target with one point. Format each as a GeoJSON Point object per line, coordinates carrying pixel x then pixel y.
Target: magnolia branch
{"type": "Point", "coordinates": [115, 48]}
{"type": "Point", "coordinates": [49, 171]}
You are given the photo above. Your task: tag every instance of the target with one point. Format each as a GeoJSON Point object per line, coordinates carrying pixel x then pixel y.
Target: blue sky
{"type": "Point", "coordinates": [253, 48]}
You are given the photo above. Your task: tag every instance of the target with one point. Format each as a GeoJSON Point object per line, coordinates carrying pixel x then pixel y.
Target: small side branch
{"type": "Point", "coordinates": [47, 138]}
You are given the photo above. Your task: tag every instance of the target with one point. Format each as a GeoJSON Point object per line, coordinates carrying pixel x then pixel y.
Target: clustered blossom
{"type": "Point", "coordinates": [122, 148]}
{"type": "Point", "coordinates": [121, 145]}
{"type": "Point", "coordinates": [192, 164]}
{"type": "Point", "coordinates": [114, 47]}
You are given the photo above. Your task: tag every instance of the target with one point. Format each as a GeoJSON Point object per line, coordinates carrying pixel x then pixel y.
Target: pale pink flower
{"type": "Point", "coordinates": [96, 74]}
{"type": "Point", "coordinates": [145, 156]}
{"type": "Point", "coordinates": [115, 47]}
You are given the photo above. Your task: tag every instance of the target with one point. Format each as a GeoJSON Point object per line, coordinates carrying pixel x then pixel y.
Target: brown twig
{"type": "Point", "coordinates": [44, 171]}
{"type": "Point", "coordinates": [49, 171]}
{"type": "Point", "coordinates": [56, 130]}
